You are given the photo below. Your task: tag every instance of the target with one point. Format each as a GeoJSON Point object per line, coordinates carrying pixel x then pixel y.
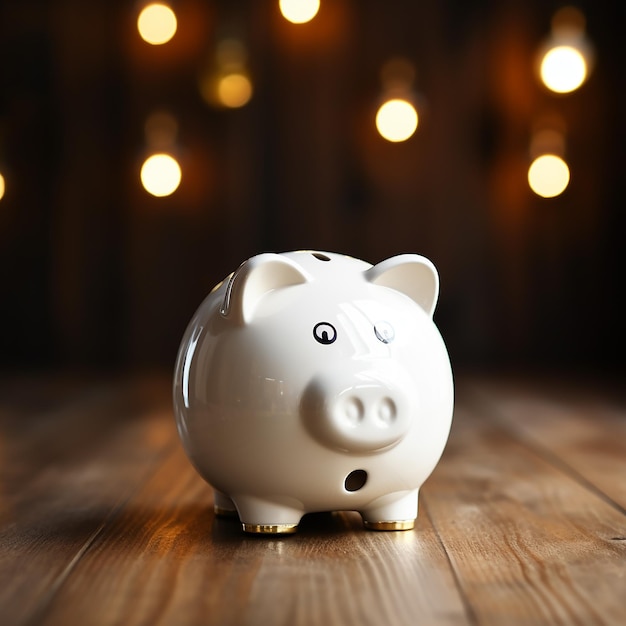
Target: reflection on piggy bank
{"type": "Point", "coordinates": [312, 381]}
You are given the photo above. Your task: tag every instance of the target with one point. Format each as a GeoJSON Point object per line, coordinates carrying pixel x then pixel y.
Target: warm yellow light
{"type": "Point", "coordinates": [234, 90]}
{"type": "Point", "coordinates": [548, 176]}
{"type": "Point", "coordinates": [299, 11]}
{"type": "Point", "coordinates": [2, 186]}
{"type": "Point", "coordinates": [156, 24]}
{"type": "Point", "coordinates": [160, 175]}
{"type": "Point", "coordinates": [396, 120]}
{"type": "Point", "coordinates": [563, 69]}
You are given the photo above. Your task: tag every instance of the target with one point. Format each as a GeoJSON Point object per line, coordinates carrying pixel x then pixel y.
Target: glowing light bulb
{"type": "Point", "coordinates": [160, 175]}
{"type": "Point", "coordinates": [563, 69]}
{"type": "Point", "coordinates": [157, 24]}
{"type": "Point", "coordinates": [396, 120]}
{"type": "Point", "coordinates": [234, 90]}
{"type": "Point", "coordinates": [548, 176]}
{"type": "Point", "coordinates": [299, 11]}
{"type": "Point", "coordinates": [2, 186]}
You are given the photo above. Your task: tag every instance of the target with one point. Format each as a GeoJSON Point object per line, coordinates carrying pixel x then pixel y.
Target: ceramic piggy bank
{"type": "Point", "coordinates": [312, 381]}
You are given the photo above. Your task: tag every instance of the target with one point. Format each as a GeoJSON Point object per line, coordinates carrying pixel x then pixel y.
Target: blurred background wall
{"type": "Point", "coordinates": [97, 272]}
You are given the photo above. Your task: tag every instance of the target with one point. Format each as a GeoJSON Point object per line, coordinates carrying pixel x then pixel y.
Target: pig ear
{"type": "Point", "coordinates": [412, 274]}
{"type": "Point", "coordinates": [253, 279]}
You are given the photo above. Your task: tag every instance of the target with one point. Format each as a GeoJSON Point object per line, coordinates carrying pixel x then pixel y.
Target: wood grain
{"type": "Point", "coordinates": [529, 545]}
{"type": "Point", "coordinates": [583, 433]}
{"type": "Point", "coordinates": [64, 473]}
{"type": "Point", "coordinates": [104, 521]}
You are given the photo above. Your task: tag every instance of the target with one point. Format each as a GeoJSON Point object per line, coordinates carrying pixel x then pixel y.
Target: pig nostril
{"type": "Point", "coordinates": [355, 480]}
{"type": "Point", "coordinates": [368, 415]}
{"type": "Point", "coordinates": [354, 411]}
{"type": "Point", "coordinates": [386, 412]}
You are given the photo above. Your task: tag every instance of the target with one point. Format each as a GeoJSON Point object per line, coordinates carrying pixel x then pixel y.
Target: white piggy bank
{"type": "Point", "coordinates": [313, 381]}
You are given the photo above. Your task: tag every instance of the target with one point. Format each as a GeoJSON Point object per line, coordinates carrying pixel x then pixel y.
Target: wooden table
{"type": "Point", "coordinates": [104, 521]}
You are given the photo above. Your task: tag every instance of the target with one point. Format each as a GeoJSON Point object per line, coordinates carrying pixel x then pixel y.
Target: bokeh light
{"type": "Point", "coordinates": [299, 11]}
{"type": "Point", "coordinates": [396, 120]}
{"type": "Point", "coordinates": [548, 176]}
{"type": "Point", "coordinates": [563, 69]}
{"type": "Point", "coordinates": [157, 24]}
{"type": "Point", "coordinates": [234, 90]}
{"type": "Point", "coordinates": [160, 175]}
{"type": "Point", "coordinates": [2, 186]}
{"type": "Point", "coordinates": [226, 81]}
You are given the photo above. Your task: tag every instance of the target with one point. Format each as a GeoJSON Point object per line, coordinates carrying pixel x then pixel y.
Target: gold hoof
{"type": "Point", "coordinates": [270, 529]}
{"type": "Point", "coordinates": [218, 510]}
{"type": "Point", "coordinates": [405, 524]}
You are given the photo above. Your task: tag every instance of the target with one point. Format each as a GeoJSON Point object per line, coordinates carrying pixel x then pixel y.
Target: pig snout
{"type": "Point", "coordinates": [366, 411]}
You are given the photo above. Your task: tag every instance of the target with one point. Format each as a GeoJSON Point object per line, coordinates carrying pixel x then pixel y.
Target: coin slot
{"type": "Point", "coordinates": [355, 480]}
{"type": "Point", "coordinates": [320, 257]}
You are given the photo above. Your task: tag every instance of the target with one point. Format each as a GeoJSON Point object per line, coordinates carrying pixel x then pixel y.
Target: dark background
{"type": "Point", "coordinates": [96, 273]}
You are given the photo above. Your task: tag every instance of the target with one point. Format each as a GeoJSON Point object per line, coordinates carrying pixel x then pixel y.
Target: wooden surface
{"type": "Point", "coordinates": [104, 521]}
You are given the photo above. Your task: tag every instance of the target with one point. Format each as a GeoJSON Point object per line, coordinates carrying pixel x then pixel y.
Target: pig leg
{"type": "Point", "coordinates": [223, 505]}
{"type": "Point", "coordinates": [395, 511]}
{"type": "Point", "coordinates": [264, 517]}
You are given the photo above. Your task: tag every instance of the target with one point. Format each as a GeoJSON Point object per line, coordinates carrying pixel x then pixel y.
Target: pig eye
{"type": "Point", "coordinates": [384, 331]}
{"type": "Point", "coordinates": [324, 333]}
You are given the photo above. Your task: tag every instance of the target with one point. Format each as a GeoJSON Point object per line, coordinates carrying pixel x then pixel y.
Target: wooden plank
{"type": "Point", "coordinates": [584, 432]}
{"type": "Point", "coordinates": [63, 474]}
{"type": "Point", "coordinates": [165, 559]}
{"type": "Point", "coordinates": [528, 542]}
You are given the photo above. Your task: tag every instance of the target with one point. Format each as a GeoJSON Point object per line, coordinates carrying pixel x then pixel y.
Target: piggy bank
{"type": "Point", "coordinates": [309, 382]}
